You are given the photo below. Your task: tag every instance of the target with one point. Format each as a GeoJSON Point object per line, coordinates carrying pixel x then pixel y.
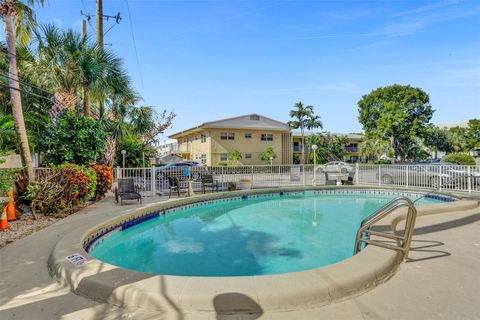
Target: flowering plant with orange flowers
{"type": "Point", "coordinates": [104, 179]}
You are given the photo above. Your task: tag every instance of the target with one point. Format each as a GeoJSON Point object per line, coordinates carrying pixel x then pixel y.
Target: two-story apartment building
{"type": "Point", "coordinates": [211, 142]}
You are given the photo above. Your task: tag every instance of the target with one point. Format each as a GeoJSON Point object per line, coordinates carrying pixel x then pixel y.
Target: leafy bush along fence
{"type": "Point", "coordinates": [460, 159]}
{"type": "Point", "coordinates": [67, 186]}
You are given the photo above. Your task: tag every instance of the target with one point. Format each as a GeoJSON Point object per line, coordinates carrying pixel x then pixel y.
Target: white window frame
{"type": "Point", "coordinates": [266, 136]}
{"type": "Point", "coordinates": [227, 135]}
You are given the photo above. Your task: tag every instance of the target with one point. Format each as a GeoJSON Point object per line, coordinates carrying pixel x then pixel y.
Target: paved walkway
{"type": "Point", "coordinates": [441, 281]}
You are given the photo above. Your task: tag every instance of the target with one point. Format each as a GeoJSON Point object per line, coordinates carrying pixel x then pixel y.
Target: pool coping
{"type": "Point", "coordinates": [281, 292]}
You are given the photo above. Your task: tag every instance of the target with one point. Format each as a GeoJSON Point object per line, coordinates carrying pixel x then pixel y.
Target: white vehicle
{"type": "Point", "coordinates": [338, 167]}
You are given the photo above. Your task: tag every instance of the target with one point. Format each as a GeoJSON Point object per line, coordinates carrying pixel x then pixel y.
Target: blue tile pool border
{"type": "Point", "coordinates": [101, 233]}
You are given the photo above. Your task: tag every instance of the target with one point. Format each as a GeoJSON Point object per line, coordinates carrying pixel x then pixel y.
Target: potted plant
{"type": "Point", "coordinates": [232, 186]}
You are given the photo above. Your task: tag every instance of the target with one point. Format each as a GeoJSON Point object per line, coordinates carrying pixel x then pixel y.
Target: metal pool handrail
{"type": "Point", "coordinates": [402, 242]}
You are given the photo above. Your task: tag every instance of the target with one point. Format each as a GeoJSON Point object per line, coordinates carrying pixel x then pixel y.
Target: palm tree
{"type": "Point", "coordinates": [373, 148]}
{"type": "Point", "coordinates": [99, 71]}
{"type": "Point", "coordinates": [57, 56]}
{"type": "Point", "coordinates": [76, 67]}
{"type": "Point", "coordinates": [304, 118]}
{"type": "Point", "coordinates": [18, 16]}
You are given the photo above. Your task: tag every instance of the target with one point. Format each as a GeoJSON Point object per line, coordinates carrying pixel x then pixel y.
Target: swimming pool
{"type": "Point", "coordinates": [250, 235]}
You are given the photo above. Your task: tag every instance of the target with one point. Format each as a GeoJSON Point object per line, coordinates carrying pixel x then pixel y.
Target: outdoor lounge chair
{"type": "Point", "coordinates": [207, 181]}
{"type": "Point", "coordinates": [175, 186]}
{"type": "Point", "coordinates": [126, 190]}
{"type": "Point", "coordinates": [329, 182]}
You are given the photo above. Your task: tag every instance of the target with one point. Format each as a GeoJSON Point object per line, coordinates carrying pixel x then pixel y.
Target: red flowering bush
{"type": "Point", "coordinates": [80, 183]}
{"type": "Point", "coordinates": [104, 180]}
{"type": "Point", "coordinates": [64, 186]}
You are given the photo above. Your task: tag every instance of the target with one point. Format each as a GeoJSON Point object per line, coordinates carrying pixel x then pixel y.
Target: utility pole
{"type": "Point", "coordinates": [84, 29]}
{"type": "Point", "coordinates": [100, 23]}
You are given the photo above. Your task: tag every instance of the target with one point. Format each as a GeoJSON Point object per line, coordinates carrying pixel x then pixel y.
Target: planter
{"type": "Point", "coordinates": [244, 184]}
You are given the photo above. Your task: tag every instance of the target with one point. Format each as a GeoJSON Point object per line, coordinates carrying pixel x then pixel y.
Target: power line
{"type": "Point", "coordinates": [24, 91]}
{"type": "Point", "coordinates": [23, 82]}
{"type": "Point", "coordinates": [89, 16]}
{"type": "Point", "coordinates": [134, 43]}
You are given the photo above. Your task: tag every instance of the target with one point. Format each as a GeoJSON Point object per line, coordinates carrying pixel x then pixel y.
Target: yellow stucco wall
{"type": "Point", "coordinates": [192, 147]}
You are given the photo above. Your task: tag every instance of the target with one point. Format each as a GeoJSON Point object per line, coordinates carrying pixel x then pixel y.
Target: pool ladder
{"type": "Point", "coordinates": [402, 242]}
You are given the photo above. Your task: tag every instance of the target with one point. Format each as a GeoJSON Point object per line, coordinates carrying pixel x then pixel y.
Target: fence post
{"type": "Point", "coordinates": [119, 172]}
{"type": "Point", "coordinates": [153, 179]}
{"type": "Point", "coordinates": [357, 173]}
{"type": "Point", "coordinates": [279, 176]}
{"type": "Point", "coordinates": [303, 169]}
{"type": "Point", "coordinates": [406, 178]}
{"type": "Point", "coordinates": [252, 176]}
{"type": "Point", "coordinates": [469, 177]}
{"type": "Point", "coordinates": [379, 174]}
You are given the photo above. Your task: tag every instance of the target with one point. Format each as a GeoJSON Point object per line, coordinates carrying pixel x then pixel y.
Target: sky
{"type": "Point", "coordinates": [209, 60]}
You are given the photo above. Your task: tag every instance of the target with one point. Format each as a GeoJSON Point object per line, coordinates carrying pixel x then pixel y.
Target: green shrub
{"type": "Point", "coordinates": [460, 159]}
{"type": "Point", "coordinates": [382, 162]}
{"type": "Point", "coordinates": [73, 139]}
{"type": "Point", "coordinates": [136, 151]}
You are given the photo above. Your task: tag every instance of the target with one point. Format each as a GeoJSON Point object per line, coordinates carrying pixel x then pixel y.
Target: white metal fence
{"type": "Point", "coordinates": [242, 176]}
{"type": "Point", "coordinates": [431, 177]}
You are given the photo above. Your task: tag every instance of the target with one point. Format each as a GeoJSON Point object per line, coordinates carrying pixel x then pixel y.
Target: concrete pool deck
{"type": "Point", "coordinates": [440, 281]}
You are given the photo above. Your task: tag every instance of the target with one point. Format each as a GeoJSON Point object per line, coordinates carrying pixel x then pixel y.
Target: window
{"type": "Point", "coordinates": [254, 117]}
{"type": "Point", "coordinates": [248, 136]}
{"type": "Point", "coordinates": [266, 137]}
{"type": "Point", "coordinates": [203, 158]}
{"type": "Point", "coordinates": [227, 136]}
{"type": "Point", "coordinates": [248, 156]}
{"type": "Point", "coordinates": [203, 138]}
{"type": "Point", "coordinates": [296, 146]}
{"type": "Point", "coordinates": [224, 157]}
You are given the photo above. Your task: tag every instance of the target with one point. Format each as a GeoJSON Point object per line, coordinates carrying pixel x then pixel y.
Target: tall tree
{"type": "Point", "coordinates": [457, 138]}
{"type": "Point", "coordinates": [473, 134]}
{"type": "Point", "coordinates": [437, 139]}
{"type": "Point", "coordinates": [18, 19]}
{"type": "Point", "coordinates": [397, 113]}
{"type": "Point", "coordinates": [304, 118]}
{"type": "Point", "coordinates": [75, 68]}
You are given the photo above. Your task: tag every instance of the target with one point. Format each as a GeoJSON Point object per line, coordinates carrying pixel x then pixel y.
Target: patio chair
{"type": "Point", "coordinates": [126, 190]}
{"type": "Point", "coordinates": [207, 181]}
{"type": "Point", "coordinates": [329, 182]}
{"type": "Point", "coordinates": [175, 186]}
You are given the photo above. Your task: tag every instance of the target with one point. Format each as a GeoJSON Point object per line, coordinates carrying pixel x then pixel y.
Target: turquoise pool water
{"type": "Point", "coordinates": [264, 235]}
